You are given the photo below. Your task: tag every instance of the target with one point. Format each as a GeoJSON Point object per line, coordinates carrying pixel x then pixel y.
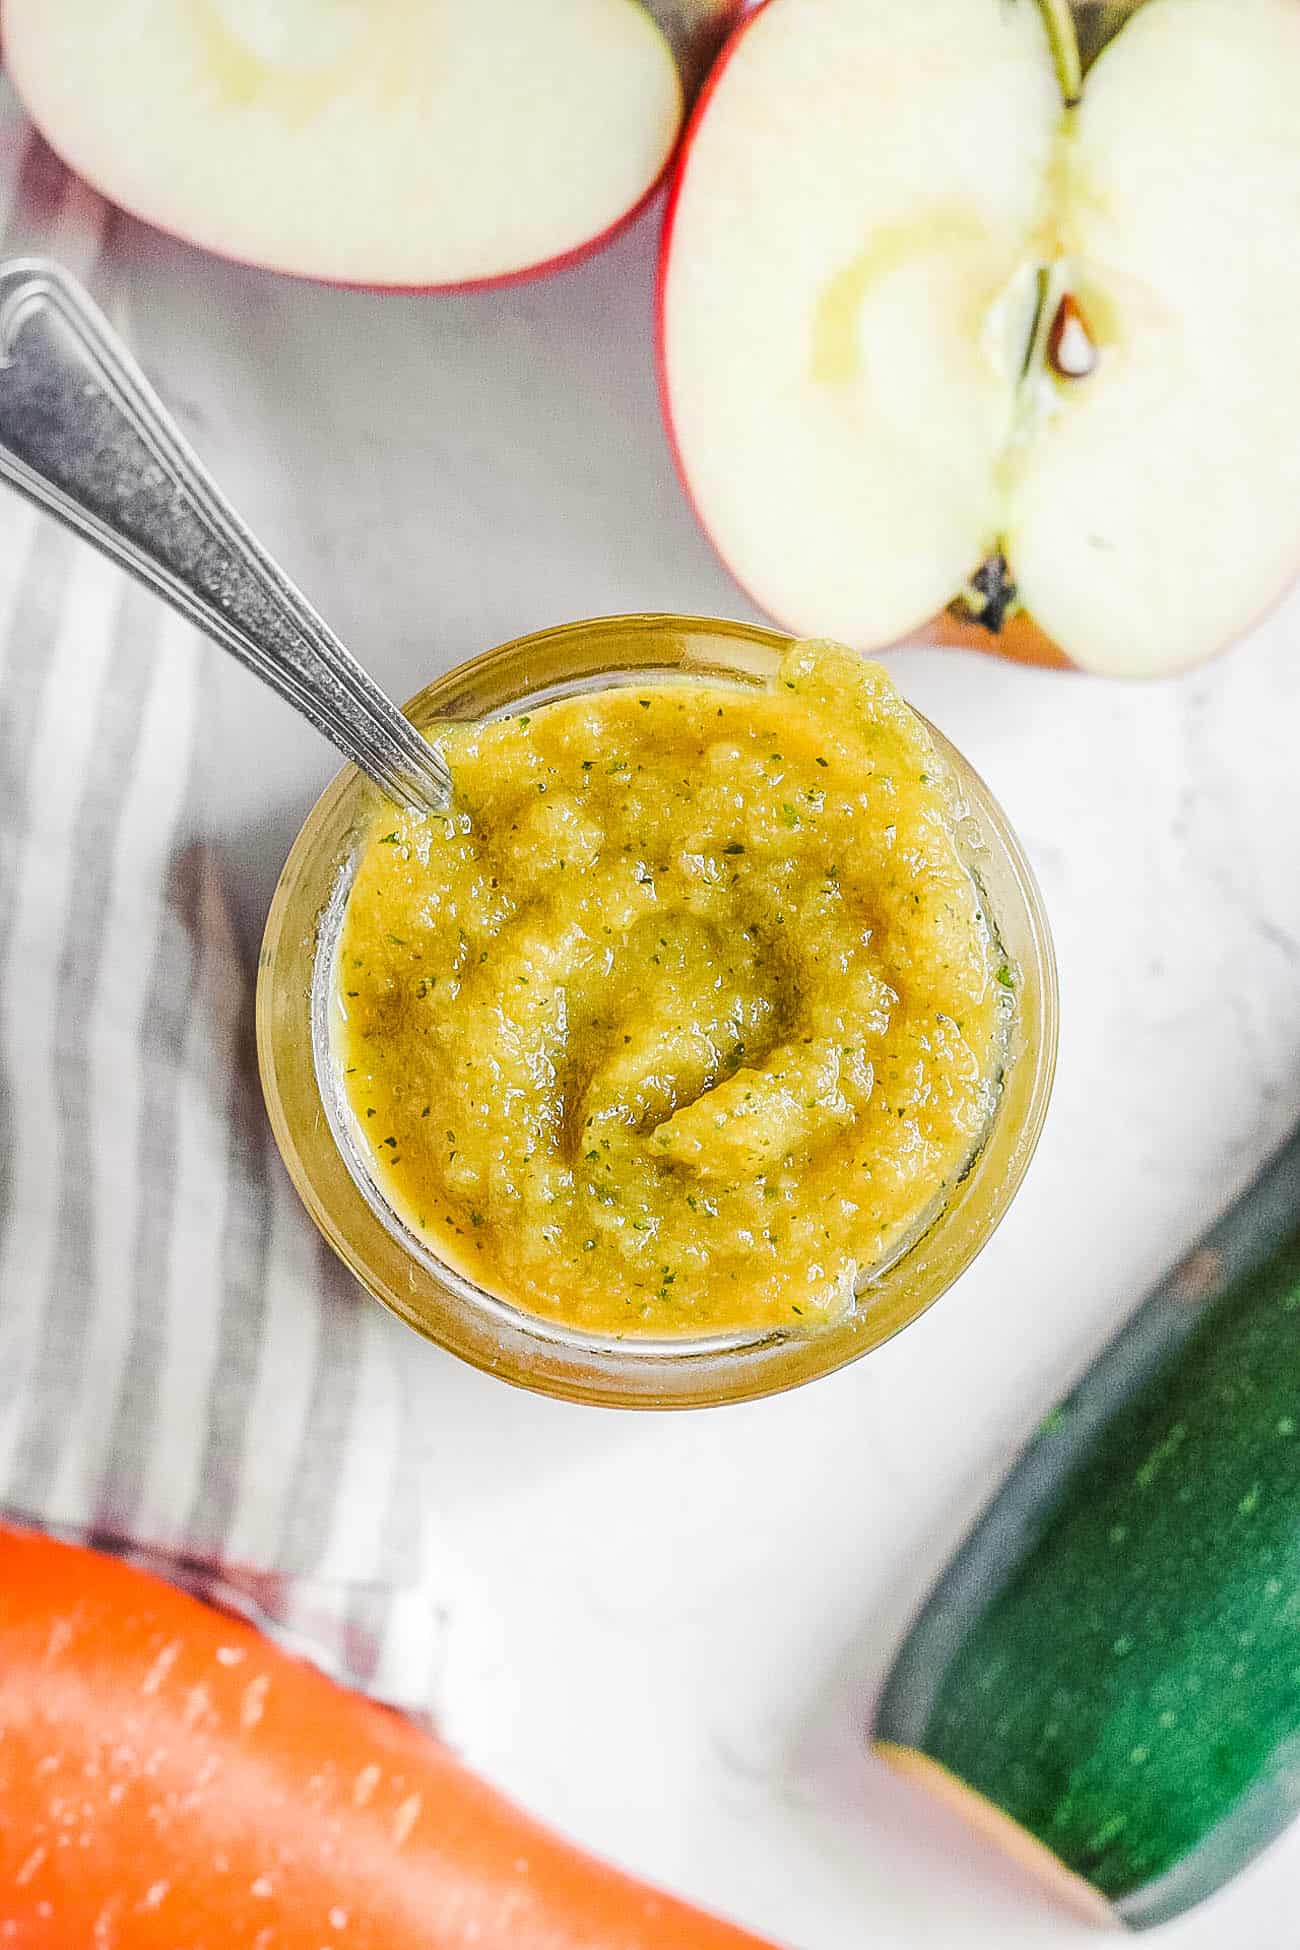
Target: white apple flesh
{"type": "Point", "coordinates": [410, 143]}
{"type": "Point", "coordinates": [916, 313]}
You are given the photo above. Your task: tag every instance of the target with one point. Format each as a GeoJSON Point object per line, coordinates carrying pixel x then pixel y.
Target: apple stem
{"type": "Point", "coordinates": [1097, 22]}
{"type": "Point", "coordinates": [1063, 38]}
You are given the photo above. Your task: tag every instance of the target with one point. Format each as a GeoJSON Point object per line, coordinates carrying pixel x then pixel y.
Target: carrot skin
{"type": "Point", "coordinates": [171, 1780]}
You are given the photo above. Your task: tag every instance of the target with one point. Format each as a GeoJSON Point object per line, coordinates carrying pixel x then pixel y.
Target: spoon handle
{"type": "Point", "coordinates": [84, 435]}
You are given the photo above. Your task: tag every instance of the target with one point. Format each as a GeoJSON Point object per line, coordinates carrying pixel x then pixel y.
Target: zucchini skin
{"type": "Point", "coordinates": [1113, 1657]}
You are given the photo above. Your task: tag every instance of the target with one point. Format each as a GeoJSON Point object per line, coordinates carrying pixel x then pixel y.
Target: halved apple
{"type": "Point", "coordinates": [946, 328]}
{"type": "Point", "coordinates": [411, 143]}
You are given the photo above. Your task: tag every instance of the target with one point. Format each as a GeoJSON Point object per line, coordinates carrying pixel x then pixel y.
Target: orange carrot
{"type": "Point", "coordinates": [171, 1780]}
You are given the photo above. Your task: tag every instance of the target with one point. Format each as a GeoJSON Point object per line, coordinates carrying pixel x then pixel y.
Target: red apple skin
{"type": "Point", "coordinates": [1020, 638]}
{"type": "Point", "coordinates": [720, 14]}
{"type": "Point", "coordinates": [500, 281]}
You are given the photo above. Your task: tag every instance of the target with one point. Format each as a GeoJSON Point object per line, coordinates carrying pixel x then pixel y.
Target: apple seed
{"type": "Point", "coordinates": [1071, 349]}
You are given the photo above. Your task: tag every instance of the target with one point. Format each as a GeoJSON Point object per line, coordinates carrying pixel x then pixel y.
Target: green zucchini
{"type": "Point", "coordinates": [1109, 1670]}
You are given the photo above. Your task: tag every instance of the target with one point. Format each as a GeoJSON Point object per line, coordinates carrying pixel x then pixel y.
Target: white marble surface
{"type": "Point", "coordinates": [664, 1633]}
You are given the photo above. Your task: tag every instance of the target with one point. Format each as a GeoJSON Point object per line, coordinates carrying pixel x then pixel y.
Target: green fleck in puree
{"type": "Point", "coordinates": [689, 1013]}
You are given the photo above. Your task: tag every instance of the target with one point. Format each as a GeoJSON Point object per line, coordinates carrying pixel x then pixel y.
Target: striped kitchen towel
{"type": "Point", "coordinates": [186, 1373]}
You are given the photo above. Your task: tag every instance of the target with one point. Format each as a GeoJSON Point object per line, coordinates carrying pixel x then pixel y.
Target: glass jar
{"type": "Point", "coordinates": [313, 1130]}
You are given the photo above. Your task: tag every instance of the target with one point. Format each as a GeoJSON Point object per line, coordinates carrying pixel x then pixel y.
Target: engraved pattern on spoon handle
{"type": "Point", "coordinates": [83, 434]}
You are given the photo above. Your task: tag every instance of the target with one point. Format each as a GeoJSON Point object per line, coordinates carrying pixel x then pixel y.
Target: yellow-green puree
{"type": "Point", "coordinates": [689, 1012]}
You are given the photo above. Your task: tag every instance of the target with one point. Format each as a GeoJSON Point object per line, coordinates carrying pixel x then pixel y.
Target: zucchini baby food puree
{"type": "Point", "coordinates": [689, 1011]}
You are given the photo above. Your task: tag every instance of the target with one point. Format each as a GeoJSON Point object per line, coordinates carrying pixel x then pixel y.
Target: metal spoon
{"type": "Point", "coordinates": [84, 435]}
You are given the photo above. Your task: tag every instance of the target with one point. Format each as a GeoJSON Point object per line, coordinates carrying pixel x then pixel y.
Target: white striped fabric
{"type": "Point", "coordinates": [186, 1374]}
